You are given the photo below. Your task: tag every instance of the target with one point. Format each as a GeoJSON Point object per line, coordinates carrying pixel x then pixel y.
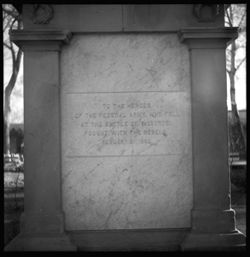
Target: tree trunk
{"type": "Point", "coordinates": [11, 16]}
{"type": "Point", "coordinates": [7, 94]}
{"type": "Point", "coordinates": [7, 123]}
{"type": "Point", "coordinates": [238, 136]}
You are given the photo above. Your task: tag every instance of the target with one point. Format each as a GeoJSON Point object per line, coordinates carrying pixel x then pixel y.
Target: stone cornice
{"type": "Point", "coordinates": [207, 37]}
{"type": "Point", "coordinates": [195, 34]}
{"type": "Point", "coordinates": [39, 39]}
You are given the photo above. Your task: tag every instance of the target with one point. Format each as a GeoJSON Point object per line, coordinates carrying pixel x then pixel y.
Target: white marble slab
{"type": "Point", "coordinates": [126, 132]}
{"type": "Point", "coordinates": [125, 62]}
{"type": "Point", "coordinates": [127, 192]}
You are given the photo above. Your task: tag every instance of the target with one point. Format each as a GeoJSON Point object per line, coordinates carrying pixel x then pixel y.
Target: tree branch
{"type": "Point", "coordinates": [238, 66]}
{"type": "Point", "coordinates": [12, 48]}
{"type": "Point", "coordinates": [6, 45]}
{"type": "Point", "coordinates": [228, 51]}
{"type": "Point", "coordinates": [242, 29]}
{"type": "Point", "coordinates": [13, 57]}
{"type": "Point", "coordinates": [16, 57]}
{"type": "Point", "coordinates": [18, 60]}
{"type": "Point", "coordinates": [13, 77]}
{"type": "Point", "coordinates": [9, 12]}
{"type": "Point", "coordinates": [242, 18]}
{"type": "Point", "coordinates": [12, 23]}
{"type": "Point", "coordinates": [7, 22]}
{"type": "Point", "coordinates": [229, 20]}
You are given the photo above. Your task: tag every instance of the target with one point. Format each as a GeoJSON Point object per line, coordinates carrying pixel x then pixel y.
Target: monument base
{"type": "Point", "coordinates": [41, 242]}
{"type": "Point", "coordinates": [196, 241]}
{"type": "Point", "coordinates": [127, 240]}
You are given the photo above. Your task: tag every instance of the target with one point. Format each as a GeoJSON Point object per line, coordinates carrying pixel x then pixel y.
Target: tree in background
{"type": "Point", "coordinates": [11, 20]}
{"type": "Point", "coordinates": [235, 16]}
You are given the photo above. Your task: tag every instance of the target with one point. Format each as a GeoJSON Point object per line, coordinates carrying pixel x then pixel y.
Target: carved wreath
{"type": "Point", "coordinates": [198, 12]}
{"type": "Point", "coordinates": [42, 13]}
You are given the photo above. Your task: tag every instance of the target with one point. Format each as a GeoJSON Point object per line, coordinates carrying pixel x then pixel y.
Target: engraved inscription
{"type": "Point", "coordinates": [127, 124]}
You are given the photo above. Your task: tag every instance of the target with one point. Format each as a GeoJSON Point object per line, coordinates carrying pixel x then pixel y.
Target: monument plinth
{"type": "Point", "coordinates": [125, 128]}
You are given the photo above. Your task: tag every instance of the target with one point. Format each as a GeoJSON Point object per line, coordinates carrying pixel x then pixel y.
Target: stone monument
{"type": "Point", "coordinates": [125, 123]}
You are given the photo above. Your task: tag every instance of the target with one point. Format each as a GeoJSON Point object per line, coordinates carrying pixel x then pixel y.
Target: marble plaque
{"type": "Point", "coordinates": [126, 132]}
{"type": "Point", "coordinates": [115, 124]}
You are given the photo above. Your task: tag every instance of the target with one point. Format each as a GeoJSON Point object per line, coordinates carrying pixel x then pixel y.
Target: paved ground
{"type": "Point", "coordinates": [240, 218]}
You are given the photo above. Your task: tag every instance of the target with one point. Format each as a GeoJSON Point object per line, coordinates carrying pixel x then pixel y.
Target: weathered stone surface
{"type": "Point", "coordinates": [80, 17]}
{"type": "Point", "coordinates": [125, 62]}
{"type": "Point", "coordinates": [127, 192]}
{"type": "Point", "coordinates": [126, 132]}
{"type": "Point", "coordinates": [119, 18]}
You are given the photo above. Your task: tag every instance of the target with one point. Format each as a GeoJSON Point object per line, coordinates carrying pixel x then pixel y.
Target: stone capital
{"type": "Point", "coordinates": [207, 37]}
{"type": "Point", "coordinates": [29, 40]}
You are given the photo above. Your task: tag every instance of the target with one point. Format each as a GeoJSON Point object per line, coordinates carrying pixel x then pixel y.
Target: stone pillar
{"type": "Point", "coordinates": [213, 220]}
{"type": "Point", "coordinates": [42, 224]}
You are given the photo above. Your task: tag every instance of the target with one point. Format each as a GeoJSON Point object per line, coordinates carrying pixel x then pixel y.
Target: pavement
{"type": "Point", "coordinates": [240, 218]}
